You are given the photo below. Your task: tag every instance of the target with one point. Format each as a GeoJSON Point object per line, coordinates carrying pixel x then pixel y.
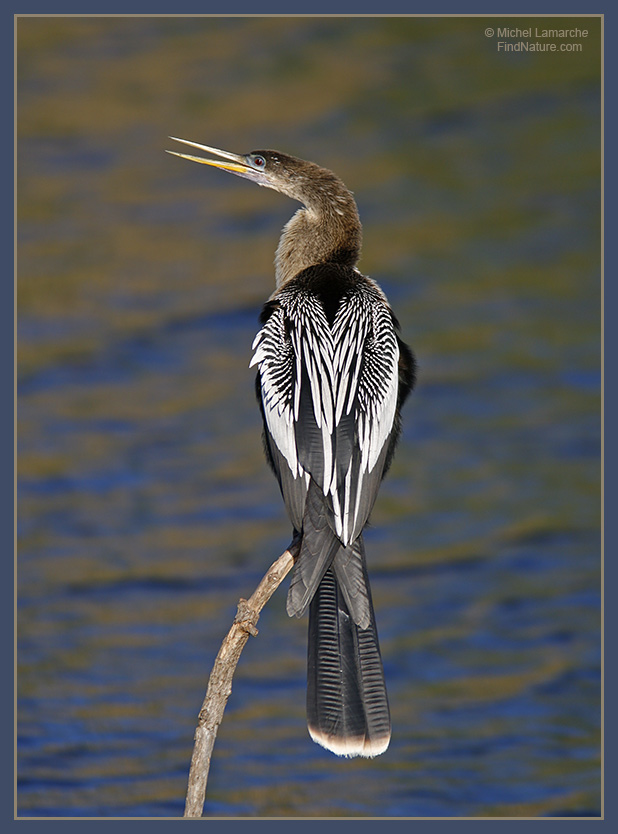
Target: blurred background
{"type": "Point", "coordinates": [145, 506]}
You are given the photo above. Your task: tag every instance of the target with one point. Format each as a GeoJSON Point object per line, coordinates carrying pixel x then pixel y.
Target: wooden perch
{"type": "Point", "coordinates": [220, 681]}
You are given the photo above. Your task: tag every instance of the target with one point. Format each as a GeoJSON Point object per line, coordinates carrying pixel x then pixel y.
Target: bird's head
{"type": "Point", "coordinates": [301, 180]}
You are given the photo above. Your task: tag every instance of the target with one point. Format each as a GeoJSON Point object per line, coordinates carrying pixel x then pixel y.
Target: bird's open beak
{"type": "Point", "coordinates": [229, 161]}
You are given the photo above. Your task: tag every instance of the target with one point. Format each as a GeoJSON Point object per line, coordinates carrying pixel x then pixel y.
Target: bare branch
{"type": "Point", "coordinates": [220, 681]}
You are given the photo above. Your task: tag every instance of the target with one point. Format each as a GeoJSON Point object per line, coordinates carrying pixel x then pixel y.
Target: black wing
{"type": "Point", "coordinates": [329, 398]}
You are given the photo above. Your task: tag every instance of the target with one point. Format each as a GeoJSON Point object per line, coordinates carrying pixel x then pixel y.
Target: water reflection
{"type": "Point", "coordinates": [145, 507]}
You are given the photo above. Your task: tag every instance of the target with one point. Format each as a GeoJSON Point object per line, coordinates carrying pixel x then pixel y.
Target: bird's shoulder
{"type": "Point", "coordinates": [328, 285]}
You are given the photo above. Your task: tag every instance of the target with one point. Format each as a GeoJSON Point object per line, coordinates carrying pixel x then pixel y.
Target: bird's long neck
{"type": "Point", "coordinates": [326, 230]}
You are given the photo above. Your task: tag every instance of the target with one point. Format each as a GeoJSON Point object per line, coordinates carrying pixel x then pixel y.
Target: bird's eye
{"type": "Point", "coordinates": [259, 161]}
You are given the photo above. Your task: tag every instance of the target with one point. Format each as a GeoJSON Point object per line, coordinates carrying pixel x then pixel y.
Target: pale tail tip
{"type": "Point", "coordinates": [350, 747]}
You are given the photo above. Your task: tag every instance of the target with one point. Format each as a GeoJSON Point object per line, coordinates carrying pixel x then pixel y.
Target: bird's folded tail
{"type": "Point", "coordinates": [347, 705]}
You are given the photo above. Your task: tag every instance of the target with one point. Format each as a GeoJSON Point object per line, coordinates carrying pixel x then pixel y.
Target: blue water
{"type": "Point", "coordinates": [146, 509]}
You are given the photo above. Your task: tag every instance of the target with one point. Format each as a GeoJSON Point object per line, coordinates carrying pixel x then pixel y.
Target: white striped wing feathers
{"type": "Point", "coordinates": [351, 371]}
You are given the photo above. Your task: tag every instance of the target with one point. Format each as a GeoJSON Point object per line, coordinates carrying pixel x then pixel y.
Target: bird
{"type": "Point", "coordinates": [332, 376]}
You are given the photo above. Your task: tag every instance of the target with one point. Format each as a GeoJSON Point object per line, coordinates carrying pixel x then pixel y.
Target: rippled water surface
{"type": "Point", "coordinates": [145, 507]}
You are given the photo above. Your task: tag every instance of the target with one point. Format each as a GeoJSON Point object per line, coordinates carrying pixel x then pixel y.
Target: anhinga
{"type": "Point", "coordinates": [332, 376]}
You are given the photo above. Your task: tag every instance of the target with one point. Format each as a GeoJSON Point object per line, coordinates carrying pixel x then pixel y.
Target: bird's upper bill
{"type": "Point", "coordinates": [244, 166]}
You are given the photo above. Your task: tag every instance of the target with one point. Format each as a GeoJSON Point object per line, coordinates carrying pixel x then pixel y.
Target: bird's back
{"type": "Point", "coordinates": [330, 381]}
